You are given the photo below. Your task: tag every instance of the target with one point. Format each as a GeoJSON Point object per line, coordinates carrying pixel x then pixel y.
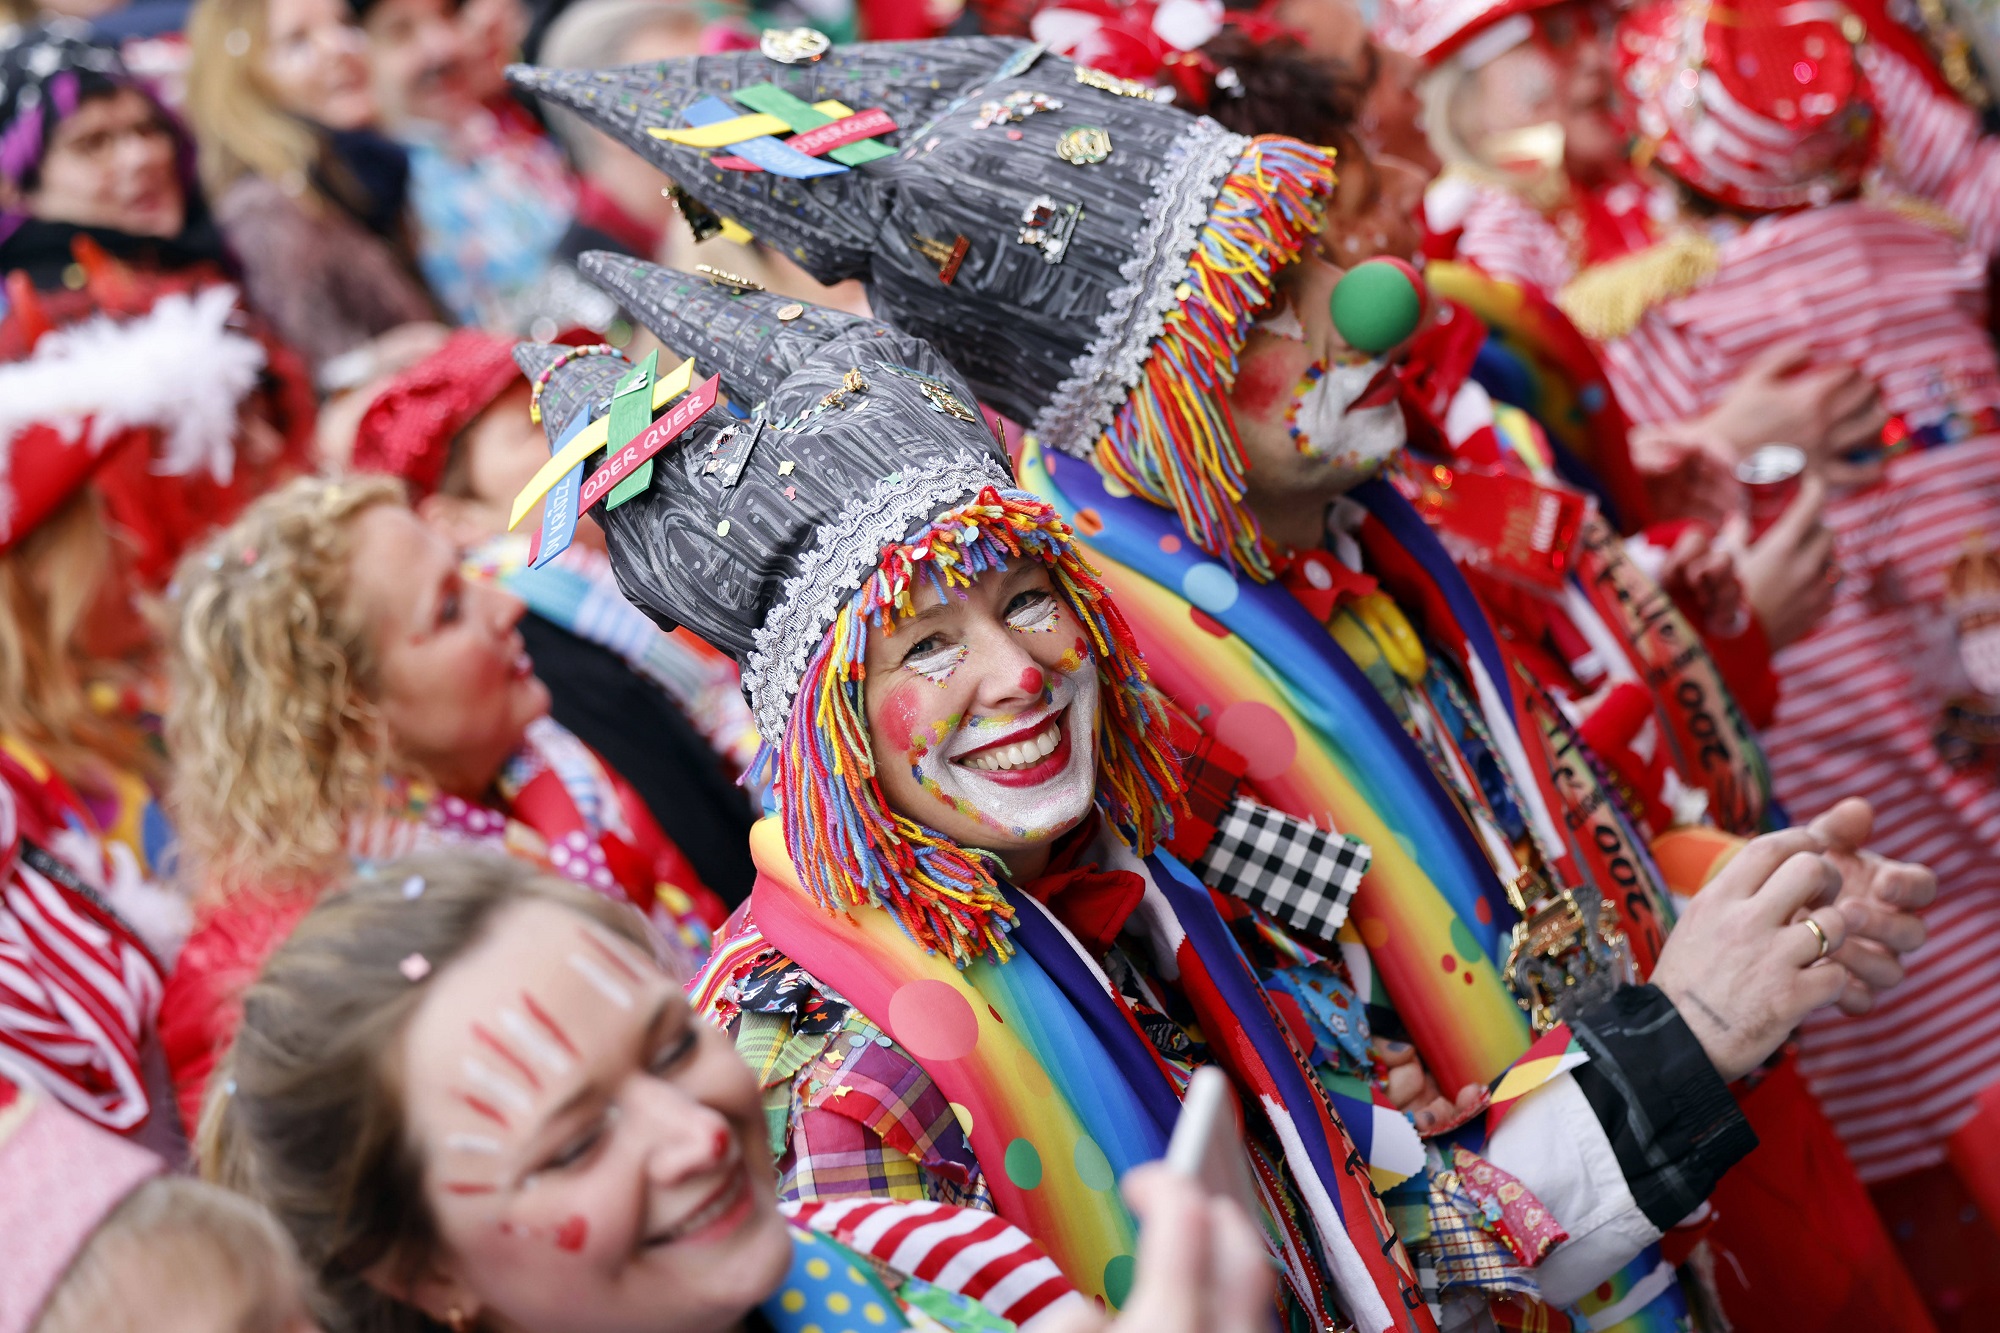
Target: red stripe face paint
{"type": "Point", "coordinates": [487, 1109]}
{"type": "Point", "coordinates": [572, 1234]}
{"type": "Point", "coordinates": [611, 956]}
{"type": "Point", "coordinates": [548, 1024]}
{"type": "Point", "coordinates": [501, 1049]}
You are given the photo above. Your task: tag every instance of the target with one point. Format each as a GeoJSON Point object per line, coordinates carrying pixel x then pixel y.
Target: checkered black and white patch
{"type": "Point", "coordinates": [1301, 875]}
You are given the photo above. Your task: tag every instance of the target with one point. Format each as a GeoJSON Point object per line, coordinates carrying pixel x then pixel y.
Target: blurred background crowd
{"type": "Point", "coordinates": [252, 244]}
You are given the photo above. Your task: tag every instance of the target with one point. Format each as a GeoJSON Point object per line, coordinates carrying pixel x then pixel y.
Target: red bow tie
{"type": "Point", "coordinates": [1093, 903]}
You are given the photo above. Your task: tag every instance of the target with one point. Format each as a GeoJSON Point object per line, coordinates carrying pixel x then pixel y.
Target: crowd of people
{"type": "Point", "coordinates": [672, 667]}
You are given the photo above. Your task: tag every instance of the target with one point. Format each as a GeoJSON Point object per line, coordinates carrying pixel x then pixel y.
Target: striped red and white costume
{"type": "Point", "coordinates": [79, 992]}
{"type": "Point", "coordinates": [1931, 149]}
{"type": "Point", "coordinates": [977, 1254]}
{"type": "Point", "coordinates": [1860, 698]}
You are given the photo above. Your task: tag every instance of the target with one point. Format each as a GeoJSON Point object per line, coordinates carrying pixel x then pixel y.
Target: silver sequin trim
{"type": "Point", "coordinates": [1103, 377]}
{"type": "Point", "coordinates": [848, 552]}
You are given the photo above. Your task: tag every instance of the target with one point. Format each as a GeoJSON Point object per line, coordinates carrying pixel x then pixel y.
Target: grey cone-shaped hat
{"type": "Point", "coordinates": [1070, 265]}
{"type": "Point", "coordinates": [747, 342]}
{"type": "Point", "coordinates": [755, 532]}
{"type": "Point", "coordinates": [828, 225]}
{"type": "Point", "coordinates": [582, 381]}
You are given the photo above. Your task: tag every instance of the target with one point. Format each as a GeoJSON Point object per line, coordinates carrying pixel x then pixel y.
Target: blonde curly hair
{"type": "Point", "coordinates": [276, 739]}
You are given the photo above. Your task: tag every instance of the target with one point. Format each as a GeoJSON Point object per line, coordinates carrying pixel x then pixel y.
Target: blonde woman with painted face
{"type": "Point", "coordinates": [343, 693]}
{"type": "Point", "coordinates": [975, 780]}
{"type": "Point", "coordinates": [476, 1100]}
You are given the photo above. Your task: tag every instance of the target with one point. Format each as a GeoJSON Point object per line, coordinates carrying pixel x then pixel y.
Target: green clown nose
{"type": "Point", "coordinates": [1377, 305]}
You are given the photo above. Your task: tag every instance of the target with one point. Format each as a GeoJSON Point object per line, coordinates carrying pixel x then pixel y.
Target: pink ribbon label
{"type": "Point", "coordinates": [815, 143]}
{"type": "Point", "coordinates": [649, 442]}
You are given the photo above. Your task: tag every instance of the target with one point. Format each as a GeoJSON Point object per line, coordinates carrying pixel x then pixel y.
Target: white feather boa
{"type": "Point", "coordinates": [179, 368]}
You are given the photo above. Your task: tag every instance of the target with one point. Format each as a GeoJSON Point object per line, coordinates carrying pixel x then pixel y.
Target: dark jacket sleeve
{"type": "Point", "coordinates": [1671, 1119]}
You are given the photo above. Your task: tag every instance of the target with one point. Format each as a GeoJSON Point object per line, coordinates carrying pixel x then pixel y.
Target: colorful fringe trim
{"type": "Point", "coordinates": [850, 849]}
{"type": "Point", "coordinates": [1173, 440]}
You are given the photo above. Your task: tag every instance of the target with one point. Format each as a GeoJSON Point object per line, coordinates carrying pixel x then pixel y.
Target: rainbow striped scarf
{"type": "Point", "coordinates": [1061, 1093]}
{"type": "Point", "coordinates": [1255, 666]}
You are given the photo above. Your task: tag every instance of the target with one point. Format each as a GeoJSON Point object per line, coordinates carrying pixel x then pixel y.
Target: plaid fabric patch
{"type": "Point", "coordinates": [1465, 1253]}
{"type": "Point", "coordinates": [865, 1119]}
{"type": "Point", "coordinates": [1302, 875]}
{"type": "Point", "coordinates": [1210, 774]}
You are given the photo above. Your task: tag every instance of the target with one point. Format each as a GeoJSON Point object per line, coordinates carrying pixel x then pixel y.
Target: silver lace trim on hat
{"type": "Point", "coordinates": [826, 578]}
{"type": "Point", "coordinates": [1105, 375]}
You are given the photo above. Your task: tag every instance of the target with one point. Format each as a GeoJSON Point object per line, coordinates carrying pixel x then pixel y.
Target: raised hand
{"type": "Point", "coordinates": [1743, 965]}
{"type": "Point", "coordinates": [1880, 899]}
{"type": "Point", "coordinates": [1789, 574]}
{"type": "Point", "coordinates": [1202, 1267]}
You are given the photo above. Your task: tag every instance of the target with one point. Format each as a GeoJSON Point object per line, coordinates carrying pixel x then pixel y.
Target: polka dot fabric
{"type": "Point", "coordinates": [862, 1265]}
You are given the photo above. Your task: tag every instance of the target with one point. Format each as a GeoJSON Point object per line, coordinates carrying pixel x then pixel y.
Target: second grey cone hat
{"type": "Point", "coordinates": [754, 532]}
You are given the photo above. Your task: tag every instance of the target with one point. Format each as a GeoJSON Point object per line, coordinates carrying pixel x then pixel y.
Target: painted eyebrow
{"type": "Point", "coordinates": [584, 1090]}
{"type": "Point", "coordinates": [929, 613]}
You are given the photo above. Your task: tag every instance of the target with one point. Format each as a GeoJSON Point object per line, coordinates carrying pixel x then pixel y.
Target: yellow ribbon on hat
{"type": "Point", "coordinates": [589, 440]}
{"type": "Point", "coordinates": [726, 132]}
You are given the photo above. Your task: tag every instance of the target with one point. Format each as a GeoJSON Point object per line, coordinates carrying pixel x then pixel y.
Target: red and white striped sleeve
{"type": "Point", "coordinates": [1934, 148]}
{"type": "Point", "coordinates": [1505, 238]}
{"type": "Point", "coordinates": [977, 1254]}
{"type": "Point", "coordinates": [1655, 374]}
{"type": "Point", "coordinates": [76, 998]}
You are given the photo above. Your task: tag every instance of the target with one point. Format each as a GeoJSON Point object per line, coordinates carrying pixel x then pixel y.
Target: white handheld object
{"type": "Point", "coordinates": [1207, 1146]}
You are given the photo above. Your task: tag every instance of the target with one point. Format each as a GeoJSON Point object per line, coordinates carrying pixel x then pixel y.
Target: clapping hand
{"type": "Point", "coordinates": [1880, 900]}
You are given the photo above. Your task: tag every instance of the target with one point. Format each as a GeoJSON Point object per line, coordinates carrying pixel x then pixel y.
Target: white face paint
{"type": "Point", "coordinates": [1325, 424]}
{"type": "Point", "coordinates": [1031, 775]}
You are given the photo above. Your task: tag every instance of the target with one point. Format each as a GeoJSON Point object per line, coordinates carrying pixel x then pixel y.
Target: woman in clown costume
{"type": "Point", "coordinates": [970, 971]}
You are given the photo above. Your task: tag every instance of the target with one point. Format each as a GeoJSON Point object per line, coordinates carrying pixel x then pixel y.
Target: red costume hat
{"type": "Point", "coordinates": [1152, 41]}
{"type": "Point", "coordinates": [1760, 105]}
{"type": "Point", "coordinates": [139, 383]}
{"type": "Point", "coordinates": [1435, 30]}
{"type": "Point", "coordinates": [408, 430]}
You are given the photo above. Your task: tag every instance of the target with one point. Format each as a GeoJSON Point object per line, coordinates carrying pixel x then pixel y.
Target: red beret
{"type": "Point", "coordinates": [407, 431]}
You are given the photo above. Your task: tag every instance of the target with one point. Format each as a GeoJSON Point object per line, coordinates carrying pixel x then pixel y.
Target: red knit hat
{"type": "Point", "coordinates": [408, 430]}
{"type": "Point", "coordinates": [1761, 105]}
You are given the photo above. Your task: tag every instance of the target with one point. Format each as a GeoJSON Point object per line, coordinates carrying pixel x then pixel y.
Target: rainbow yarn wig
{"type": "Point", "coordinates": [789, 536]}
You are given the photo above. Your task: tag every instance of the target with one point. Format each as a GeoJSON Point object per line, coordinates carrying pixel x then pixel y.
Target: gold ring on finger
{"type": "Point", "coordinates": [1819, 933]}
